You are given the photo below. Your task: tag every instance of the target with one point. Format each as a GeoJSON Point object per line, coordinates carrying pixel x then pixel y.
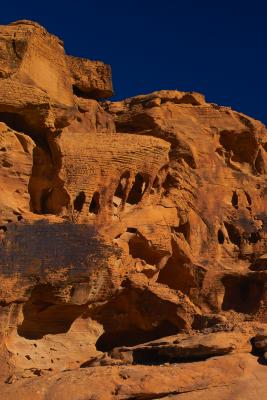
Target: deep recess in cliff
{"type": "Point", "coordinates": [133, 245]}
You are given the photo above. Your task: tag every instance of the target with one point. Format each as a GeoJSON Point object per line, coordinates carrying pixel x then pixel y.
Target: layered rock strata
{"type": "Point", "coordinates": [132, 235]}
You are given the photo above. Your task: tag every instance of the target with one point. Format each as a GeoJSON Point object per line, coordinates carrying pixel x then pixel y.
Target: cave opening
{"type": "Point", "coordinates": [220, 236]}
{"type": "Point", "coordinates": [79, 202]}
{"type": "Point", "coordinates": [131, 230]}
{"type": "Point", "coordinates": [80, 93]}
{"type": "Point", "coordinates": [43, 202]}
{"type": "Point", "coordinates": [132, 337]}
{"type": "Point", "coordinates": [159, 355]}
{"type": "Point", "coordinates": [254, 237]}
{"type": "Point", "coordinates": [138, 189]}
{"type": "Point", "coordinates": [96, 94]}
{"type": "Point", "coordinates": [242, 293]}
{"type": "Point", "coordinates": [235, 200]}
{"type": "Point", "coordinates": [233, 233]}
{"type": "Point", "coordinates": [94, 207]}
{"type": "Point", "coordinates": [120, 191]}
{"type": "Point", "coordinates": [20, 124]}
{"type": "Point", "coordinates": [43, 316]}
{"type": "Point", "coordinates": [120, 194]}
{"type": "Point", "coordinates": [14, 121]}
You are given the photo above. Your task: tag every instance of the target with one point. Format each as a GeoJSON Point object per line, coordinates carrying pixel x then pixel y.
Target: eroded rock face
{"type": "Point", "coordinates": [213, 150]}
{"type": "Point", "coordinates": [35, 84]}
{"type": "Point", "coordinates": [131, 232]}
{"type": "Point", "coordinates": [16, 167]}
{"type": "Point", "coordinates": [90, 78]}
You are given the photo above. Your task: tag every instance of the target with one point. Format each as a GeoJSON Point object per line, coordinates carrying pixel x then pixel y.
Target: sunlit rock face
{"type": "Point", "coordinates": [132, 234]}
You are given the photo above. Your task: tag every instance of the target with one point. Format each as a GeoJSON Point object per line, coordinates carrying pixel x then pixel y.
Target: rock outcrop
{"type": "Point", "coordinates": [132, 235]}
{"type": "Point", "coordinates": [90, 78]}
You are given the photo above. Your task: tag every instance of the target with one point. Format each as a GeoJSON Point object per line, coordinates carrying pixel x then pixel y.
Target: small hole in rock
{"type": "Point", "coordinates": [233, 233]}
{"type": "Point", "coordinates": [235, 200]}
{"type": "Point", "coordinates": [79, 202]}
{"type": "Point", "coordinates": [137, 190]}
{"type": "Point", "coordinates": [14, 121]}
{"type": "Point", "coordinates": [120, 194]}
{"type": "Point", "coordinates": [6, 164]}
{"type": "Point", "coordinates": [37, 372]}
{"type": "Point", "coordinates": [220, 236]}
{"type": "Point", "coordinates": [254, 237]}
{"type": "Point", "coordinates": [242, 293]}
{"type": "Point", "coordinates": [122, 186]}
{"type": "Point", "coordinates": [131, 230]}
{"type": "Point", "coordinates": [95, 204]}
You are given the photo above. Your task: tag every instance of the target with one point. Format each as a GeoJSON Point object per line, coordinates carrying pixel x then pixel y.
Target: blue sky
{"type": "Point", "coordinates": [218, 48]}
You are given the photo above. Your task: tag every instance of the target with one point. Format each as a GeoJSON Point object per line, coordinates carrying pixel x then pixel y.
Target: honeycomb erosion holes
{"type": "Point", "coordinates": [130, 232]}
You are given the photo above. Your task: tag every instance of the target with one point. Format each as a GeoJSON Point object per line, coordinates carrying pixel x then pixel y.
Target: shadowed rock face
{"type": "Point", "coordinates": [132, 234]}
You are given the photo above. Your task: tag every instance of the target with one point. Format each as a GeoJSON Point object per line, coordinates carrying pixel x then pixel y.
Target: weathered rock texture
{"type": "Point", "coordinates": [90, 78]}
{"type": "Point", "coordinates": [132, 235]}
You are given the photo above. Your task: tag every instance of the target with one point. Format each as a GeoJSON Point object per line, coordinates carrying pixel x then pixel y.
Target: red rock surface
{"type": "Point", "coordinates": [132, 236]}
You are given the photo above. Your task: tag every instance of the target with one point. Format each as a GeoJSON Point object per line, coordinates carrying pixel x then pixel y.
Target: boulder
{"type": "Point", "coordinates": [35, 82]}
{"type": "Point", "coordinates": [90, 78]}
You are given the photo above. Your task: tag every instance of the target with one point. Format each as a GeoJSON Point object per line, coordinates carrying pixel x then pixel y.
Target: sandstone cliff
{"type": "Point", "coordinates": [133, 245]}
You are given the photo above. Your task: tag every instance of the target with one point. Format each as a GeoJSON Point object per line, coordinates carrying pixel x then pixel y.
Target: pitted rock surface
{"type": "Point", "coordinates": [132, 235]}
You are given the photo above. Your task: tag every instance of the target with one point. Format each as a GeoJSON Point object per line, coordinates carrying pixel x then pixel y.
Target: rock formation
{"type": "Point", "coordinates": [132, 236]}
